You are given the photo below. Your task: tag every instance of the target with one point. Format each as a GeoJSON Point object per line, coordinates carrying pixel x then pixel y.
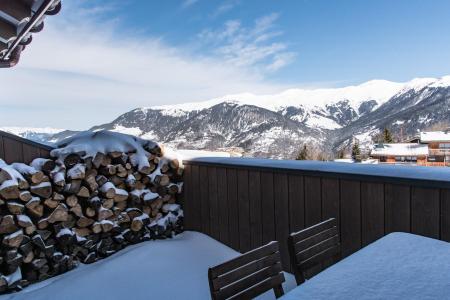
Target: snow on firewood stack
{"type": "Point", "coordinates": [98, 193]}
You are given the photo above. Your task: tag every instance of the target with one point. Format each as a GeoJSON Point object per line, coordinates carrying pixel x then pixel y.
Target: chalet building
{"type": "Point", "coordinates": [409, 153]}
{"type": "Point", "coordinates": [432, 148]}
{"type": "Point", "coordinates": [438, 147]}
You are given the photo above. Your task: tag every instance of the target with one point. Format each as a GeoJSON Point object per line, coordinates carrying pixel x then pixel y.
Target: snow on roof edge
{"type": "Point", "coordinates": [435, 136]}
{"type": "Point", "coordinates": [401, 149]}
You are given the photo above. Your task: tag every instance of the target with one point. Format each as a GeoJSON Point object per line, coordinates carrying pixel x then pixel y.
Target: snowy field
{"type": "Point", "coordinates": [163, 269]}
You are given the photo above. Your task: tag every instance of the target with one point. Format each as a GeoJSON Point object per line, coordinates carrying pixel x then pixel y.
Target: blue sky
{"type": "Point", "coordinates": [336, 41]}
{"type": "Point", "coordinates": [113, 56]}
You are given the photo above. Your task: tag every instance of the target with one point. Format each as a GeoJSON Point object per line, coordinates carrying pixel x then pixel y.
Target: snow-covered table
{"type": "Point", "coordinates": [397, 266]}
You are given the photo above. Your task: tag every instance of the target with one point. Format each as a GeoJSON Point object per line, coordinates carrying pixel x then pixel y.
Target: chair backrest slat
{"type": "Point", "coordinates": [246, 270]}
{"type": "Point", "coordinates": [313, 230]}
{"type": "Point", "coordinates": [319, 257]}
{"type": "Point", "coordinates": [254, 272]}
{"type": "Point", "coordinates": [244, 259]}
{"type": "Point", "coordinates": [313, 240]}
{"type": "Point", "coordinates": [248, 282]}
{"type": "Point", "coordinates": [263, 287]}
{"type": "Point", "coordinates": [313, 245]}
{"type": "Point", "coordinates": [317, 248]}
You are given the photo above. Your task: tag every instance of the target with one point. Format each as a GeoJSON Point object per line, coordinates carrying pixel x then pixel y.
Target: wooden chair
{"type": "Point", "coordinates": [248, 275]}
{"type": "Point", "coordinates": [312, 246]}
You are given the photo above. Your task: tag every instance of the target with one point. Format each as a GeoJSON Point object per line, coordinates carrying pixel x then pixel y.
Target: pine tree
{"type": "Point", "coordinates": [303, 154]}
{"type": "Point", "coordinates": [341, 154]}
{"type": "Point", "coordinates": [387, 136]}
{"type": "Point", "coordinates": [356, 152]}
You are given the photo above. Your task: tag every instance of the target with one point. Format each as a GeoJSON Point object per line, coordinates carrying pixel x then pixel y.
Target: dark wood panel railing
{"type": "Point", "coordinates": [17, 149]}
{"type": "Point", "coordinates": [246, 203]}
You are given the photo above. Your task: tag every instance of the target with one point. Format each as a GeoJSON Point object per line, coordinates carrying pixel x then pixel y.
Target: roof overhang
{"type": "Point", "coordinates": [19, 19]}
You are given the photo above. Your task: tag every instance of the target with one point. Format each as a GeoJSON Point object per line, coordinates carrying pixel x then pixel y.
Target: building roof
{"type": "Point", "coordinates": [415, 139]}
{"type": "Point", "coordinates": [435, 136]}
{"type": "Point", "coordinates": [405, 149]}
{"type": "Point", "coordinates": [18, 20]}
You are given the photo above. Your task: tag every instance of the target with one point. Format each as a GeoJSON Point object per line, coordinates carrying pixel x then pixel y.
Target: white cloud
{"type": "Point", "coordinates": [187, 3]}
{"type": "Point", "coordinates": [78, 72]}
{"type": "Point", "coordinates": [281, 60]}
{"type": "Point", "coordinates": [250, 47]}
{"type": "Point", "coordinates": [224, 8]}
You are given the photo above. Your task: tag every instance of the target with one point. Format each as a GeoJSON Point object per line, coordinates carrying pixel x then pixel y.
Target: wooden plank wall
{"type": "Point", "coordinates": [246, 207]}
{"type": "Point", "coordinates": [17, 149]}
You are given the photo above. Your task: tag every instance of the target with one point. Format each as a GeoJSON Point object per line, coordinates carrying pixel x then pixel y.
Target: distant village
{"type": "Point", "coordinates": [429, 148]}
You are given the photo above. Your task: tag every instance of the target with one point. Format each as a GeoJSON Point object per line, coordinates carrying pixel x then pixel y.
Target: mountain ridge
{"type": "Point", "coordinates": [277, 125]}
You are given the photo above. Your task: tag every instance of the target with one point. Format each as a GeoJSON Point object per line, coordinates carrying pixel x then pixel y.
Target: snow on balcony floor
{"type": "Point", "coordinates": [163, 269]}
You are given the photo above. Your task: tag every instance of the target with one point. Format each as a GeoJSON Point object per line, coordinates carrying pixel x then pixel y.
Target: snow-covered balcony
{"type": "Point", "coordinates": [166, 269]}
{"type": "Point", "coordinates": [233, 205]}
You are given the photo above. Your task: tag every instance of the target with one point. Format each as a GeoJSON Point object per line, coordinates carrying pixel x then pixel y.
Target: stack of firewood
{"type": "Point", "coordinates": [80, 208]}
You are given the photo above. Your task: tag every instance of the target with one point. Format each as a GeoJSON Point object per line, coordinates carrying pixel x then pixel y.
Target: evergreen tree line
{"type": "Point", "coordinates": [306, 153]}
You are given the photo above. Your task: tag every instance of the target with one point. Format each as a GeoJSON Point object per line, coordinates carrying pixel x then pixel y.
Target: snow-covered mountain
{"type": "Point", "coordinates": [277, 125]}
{"type": "Point", "coordinates": [39, 134]}
{"type": "Point", "coordinates": [258, 131]}
{"type": "Point", "coordinates": [316, 108]}
{"type": "Point", "coordinates": [423, 104]}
